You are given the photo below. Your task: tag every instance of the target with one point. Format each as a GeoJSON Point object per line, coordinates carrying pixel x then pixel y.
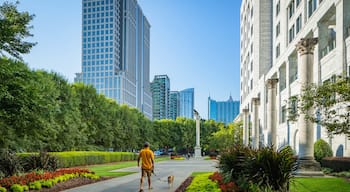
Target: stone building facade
{"type": "Point", "coordinates": [286, 44]}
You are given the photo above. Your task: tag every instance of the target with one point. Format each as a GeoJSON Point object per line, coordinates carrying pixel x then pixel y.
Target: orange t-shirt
{"type": "Point", "coordinates": [147, 158]}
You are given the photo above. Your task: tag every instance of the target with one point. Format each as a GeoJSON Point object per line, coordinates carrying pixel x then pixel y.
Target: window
{"type": "Point", "coordinates": [298, 24]}
{"type": "Point", "coordinates": [283, 114]}
{"type": "Point", "coordinates": [312, 4]}
{"type": "Point", "coordinates": [278, 29]}
{"type": "Point", "coordinates": [278, 51]}
{"type": "Point", "coordinates": [278, 7]}
{"type": "Point", "coordinates": [293, 106]}
{"type": "Point", "coordinates": [291, 34]}
{"type": "Point", "coordinates": [298, 2]}
{"type": "Point", "coordinates": [291, 9]}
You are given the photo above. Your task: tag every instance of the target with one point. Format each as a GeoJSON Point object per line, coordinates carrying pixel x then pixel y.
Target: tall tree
{"type": "Point", "coordinates": [330, 104]}
{"type": "Point", "coordinates": [14, 27]}
{"type": "Point", "coordinates": [226, 136]}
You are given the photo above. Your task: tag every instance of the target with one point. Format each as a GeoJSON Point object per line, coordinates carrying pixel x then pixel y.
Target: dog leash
{"type": "Point", "coordinates": [153, 172]}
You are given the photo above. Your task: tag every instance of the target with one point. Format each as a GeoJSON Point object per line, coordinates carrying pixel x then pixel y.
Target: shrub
{"type": "Point", "coordinates": [233, 166]}
{"type": "Point", "coordinates": [342, 174]}
{"type": "Point", "coordinates": [16, 188]}
{"type": "Point", "coordinates": [337, 164]}
{"type": "Point", "coordinates": [327, 170]}
{"type": "Point", "coordinates": [3, 189]}
{"type": "Point", "coordinates": [9, 163]}
{"type": "Point", "coordinates": [202, 183]}
{"type": "Point", "coordinates": [25, 187]}
{"type": "Point", "coordinates": [89, 175]}
{"type": "Point", "coordinates": [265, 167]}
{"type": "Point", "coordinates": [271, 169]}
{"type": "Point", "coordinates": [79, 158]}
{"type": "Point", "coordinates": [46, 183]}
{"type": "Point", "coordinates": [43, 161]}
{"type": "Point", "coordinates": [36, 185]}
{"type": "Point", "coordinates": [322, 149]}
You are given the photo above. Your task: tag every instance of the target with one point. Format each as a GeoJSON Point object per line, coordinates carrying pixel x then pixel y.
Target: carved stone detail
{"type": "Point", "coordinates": [306, 45]}
{"type": "Point", "coordinates": [256, 101]}
{"type": "Point", "coordinates": [271, 83]}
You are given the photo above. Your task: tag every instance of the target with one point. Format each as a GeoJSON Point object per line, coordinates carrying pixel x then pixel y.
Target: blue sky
{"type": "Point", "coordinates": [194, 42]}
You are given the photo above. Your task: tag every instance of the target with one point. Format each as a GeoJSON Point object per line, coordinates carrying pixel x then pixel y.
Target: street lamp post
{"type": "Point", "coordinates": [197, 148]}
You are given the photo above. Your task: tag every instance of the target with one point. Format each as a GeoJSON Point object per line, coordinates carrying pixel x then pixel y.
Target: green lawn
{"type": "Point", "coordinates": [104, 169]}
{"type": "Point", "coordinates": [319, 185]}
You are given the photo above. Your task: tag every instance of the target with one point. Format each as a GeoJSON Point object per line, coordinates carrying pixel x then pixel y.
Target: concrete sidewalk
{"type": "Point", "coordinates": [181, 169]}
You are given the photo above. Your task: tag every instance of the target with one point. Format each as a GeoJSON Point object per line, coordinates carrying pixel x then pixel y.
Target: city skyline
{"type": "Point", "coordinates": [223, 111]}
{"type": "Point", "coordinates": [202, 52]}
{"type": "Point", "coordinates": [115, 52]}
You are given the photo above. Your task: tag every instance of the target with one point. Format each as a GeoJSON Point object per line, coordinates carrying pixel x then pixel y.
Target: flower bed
{"type": "Point", "coordinates": [178, 158]}
{"type": "Point", "coordinates": [207, 182]}
{"type": "Point", "coordinates": [226, 187]}
{"type": "Point", "coordinates": [36, 181]}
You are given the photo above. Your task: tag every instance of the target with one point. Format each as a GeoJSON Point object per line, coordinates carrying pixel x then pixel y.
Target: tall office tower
{"type": "Point", "coordinates": [115, 52]}
{"type": "Point", "coordinates": [223, 111]}
{"type": "Point", "coordinates": [187, 103]}
{"type": "Point", "coordinates": [160, 88]}
{"type": "Point", "coordinates": [293, 42]}
{"type": "Point", "coordinates": [174, 106]}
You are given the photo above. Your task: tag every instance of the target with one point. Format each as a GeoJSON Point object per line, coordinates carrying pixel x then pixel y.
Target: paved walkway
{"type": "Point", "coordinates": [181, 169]}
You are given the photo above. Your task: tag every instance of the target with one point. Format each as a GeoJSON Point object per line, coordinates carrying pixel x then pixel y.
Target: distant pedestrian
{"type": "Point", "coordinates": [188, 155]}
{"type": "Point", "coordinates": [147, 157]}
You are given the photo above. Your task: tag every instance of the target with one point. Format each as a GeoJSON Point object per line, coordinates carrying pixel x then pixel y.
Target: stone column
{"type": "Point", "coordinates": [197, 132]}
{"type": "Point", "coordinates": [306, 162]}
{"type": "Point", "coordinates": [245, 127]}
{"type": "Point", "coordinates": [197, 148]}
{"type": "Point", "coordinates": [347, 48]}
{"type": "Point", "coordinates": [271, 111]}
{"type": "Point", "coordinates": [255, 122]}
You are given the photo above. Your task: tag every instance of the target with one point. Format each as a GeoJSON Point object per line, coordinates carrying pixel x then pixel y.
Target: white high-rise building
{"type": "Point", "coordinates": [116, 52]}
{"type": "Point", "coordinates": [285, 44]}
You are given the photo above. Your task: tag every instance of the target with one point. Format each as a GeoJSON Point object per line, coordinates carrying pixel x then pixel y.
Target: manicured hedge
{"type": "Point", "coordinates": [79, 158]}
{"type": "Point", "coordinates": [337, 164]}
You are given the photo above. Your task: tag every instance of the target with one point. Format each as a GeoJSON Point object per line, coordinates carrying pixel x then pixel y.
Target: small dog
{"type": "Point", "coordinates": [171, 181]}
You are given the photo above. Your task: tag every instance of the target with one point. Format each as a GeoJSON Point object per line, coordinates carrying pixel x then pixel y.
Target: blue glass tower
{"type": "Point", "coordinates": [187, 103]}
{"type": "Point", "coordinates": [115, 52]}
{"type": "Point", "coordinates": [223, 111]}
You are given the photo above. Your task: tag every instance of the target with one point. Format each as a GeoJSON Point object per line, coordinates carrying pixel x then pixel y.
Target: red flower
{"type": "Point", "coordinates": [225, 187]}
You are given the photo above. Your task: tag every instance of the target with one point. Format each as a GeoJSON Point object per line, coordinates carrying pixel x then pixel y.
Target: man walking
{"type": "Point", "coordinates": [147, 157]}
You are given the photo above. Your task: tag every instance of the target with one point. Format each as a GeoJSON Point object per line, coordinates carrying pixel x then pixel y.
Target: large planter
{"type": "Point", "coordinates": [213, 156]}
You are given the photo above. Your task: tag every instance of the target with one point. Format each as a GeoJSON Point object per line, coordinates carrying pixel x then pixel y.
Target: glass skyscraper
{"type": "Point", "coordinates": [187, 103]}
{"type": "Point", "coordinates": [174, 106]}
{"type": "Point", "coordinates": [115, 52]}
{"type": "Point", "coordinates": [223, 111]}
{"type": "Point", "coordinates": [160, 88]}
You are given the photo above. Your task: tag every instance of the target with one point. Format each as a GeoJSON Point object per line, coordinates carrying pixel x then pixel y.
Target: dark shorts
{"type": "Point", "coordinates": [146, 172]}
